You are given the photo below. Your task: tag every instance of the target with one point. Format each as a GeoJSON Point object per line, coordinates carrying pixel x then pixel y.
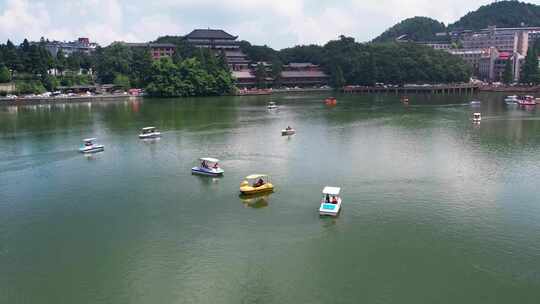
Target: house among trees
{"type": "Point", "coordinates": [157, 50]}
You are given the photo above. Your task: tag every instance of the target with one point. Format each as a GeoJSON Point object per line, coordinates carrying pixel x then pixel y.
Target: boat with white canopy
{"type": "Point", "coordinates": [255, 184]}
{"type": "Point", "coordinates": [208, 166]}
{"type": "Point", "coordinates": [149, 132]}
{"type": "Point", "coordinates": [477, 117]}
{"type": "Point", "coordinates": [288, 131]}
{"type": "Point", "coordinates": [272, 105]}
{"type": "Point", "coordinates": [331, 201]}
{"type": "Point", "coordinates": [512, 99]}
{"type": "Point", "coordinates": [90, 146]}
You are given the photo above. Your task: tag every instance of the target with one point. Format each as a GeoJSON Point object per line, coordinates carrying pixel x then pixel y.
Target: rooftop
{"type": "Point", "coordinates": [242, 74]}
{"type": "Point", "coordinates": [148, 44]}
{"type": "Point", "coordinates": [303, 74]}
{"type": "Point", "coordinates": [301, 65]}
{"type": "Point", "coordinates": [210, 34]}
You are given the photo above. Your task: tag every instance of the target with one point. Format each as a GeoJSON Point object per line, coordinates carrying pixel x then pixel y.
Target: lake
{"type": "Point", "coordinates": [435, 209]}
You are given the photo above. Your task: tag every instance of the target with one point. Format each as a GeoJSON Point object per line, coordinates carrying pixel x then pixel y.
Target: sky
{"type": "Point", "coordinates": [276, 23]}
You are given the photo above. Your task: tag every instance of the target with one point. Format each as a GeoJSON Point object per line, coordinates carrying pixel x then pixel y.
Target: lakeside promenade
{"type": "Point", "coordinates": [79, 98]}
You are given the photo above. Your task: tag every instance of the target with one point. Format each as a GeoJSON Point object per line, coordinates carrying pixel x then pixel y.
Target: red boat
{"type": "Point", "coordinates": [330, 101]}
{"type": "Point", "coordinates": [526, 101]}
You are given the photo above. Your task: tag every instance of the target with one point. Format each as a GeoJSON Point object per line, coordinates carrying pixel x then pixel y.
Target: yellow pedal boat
{"type": "Point", "coordinates": [256, 183]}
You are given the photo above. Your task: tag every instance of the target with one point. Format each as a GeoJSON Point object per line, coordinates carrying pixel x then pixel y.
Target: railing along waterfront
{"type": "Point", "coordinates": [414, 89]}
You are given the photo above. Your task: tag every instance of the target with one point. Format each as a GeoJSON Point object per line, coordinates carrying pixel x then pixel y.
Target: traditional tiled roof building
{"type": "Point", "coordinates": [220, 41]}
{"type": "Point", "coordinates": [303, 74]}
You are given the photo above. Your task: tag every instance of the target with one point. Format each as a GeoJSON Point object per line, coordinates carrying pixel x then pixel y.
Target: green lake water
{"type": "Point", "coordinates": [435, 209]}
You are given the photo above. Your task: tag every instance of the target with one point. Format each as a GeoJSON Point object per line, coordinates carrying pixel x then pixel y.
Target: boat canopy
{"type": "Point", "coordinates": [256, 176]}
{"type": "Point", "coordinates": [89, 139]}
{"type": "Point", "coordinates": [148, 128]}
{"type": "Point", "coordinates": [209, 159]}
{"type": "Point", "coordinates": [331, 190]}
{"type": "Point", "coordinates": [271, 102]}
{"type": "Point", "coordinates": [477, 114]}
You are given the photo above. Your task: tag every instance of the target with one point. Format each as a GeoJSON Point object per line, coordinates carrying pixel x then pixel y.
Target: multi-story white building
{"type": "Point", "coordinates": [504, 39]}
{"type": "Point", "coordinates": [470, 56]}
{"type": "Point", "coordinates": [82, 45]}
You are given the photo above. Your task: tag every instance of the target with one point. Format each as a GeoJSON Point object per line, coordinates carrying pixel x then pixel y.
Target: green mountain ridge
{"type": "Point", "coordinates": [416, 28]}
{"type": "Point", "coordinates": [500, 14]}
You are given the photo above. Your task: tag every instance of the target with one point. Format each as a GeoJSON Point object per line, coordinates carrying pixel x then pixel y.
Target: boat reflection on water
{"type": "Point", "coordinates": [150, 141]}
{"type": "Point", "coordinates": [207, 181]}
{"type": "Point", "coordinates": [255, 201]}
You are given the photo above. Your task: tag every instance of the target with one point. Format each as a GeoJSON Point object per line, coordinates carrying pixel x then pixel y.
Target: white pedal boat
{"type": "Point", "coordinates": [288, 131]}
{"type": "Point", "coordinates": [272, 105]}
{"type": "Point", "coordinates": [477, 117]}
{"type": "Point", "coordinates": [331, 202]}
{"type": "Point", "coordinates": [209, 166]}
{"type": "Point", "coordinates": [90, 146]}
{"type": "Point", "coordinates": [149, 132]}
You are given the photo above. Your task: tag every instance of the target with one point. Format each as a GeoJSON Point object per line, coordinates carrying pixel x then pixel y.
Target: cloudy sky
{"type": "Point", "coordinates": [277, 23]}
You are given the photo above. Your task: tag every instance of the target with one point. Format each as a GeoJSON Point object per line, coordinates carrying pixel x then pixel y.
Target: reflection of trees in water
{"type": "Point", "coordinates": [34, 118]}
{"type": "Point", "coordinates": [212, 113]}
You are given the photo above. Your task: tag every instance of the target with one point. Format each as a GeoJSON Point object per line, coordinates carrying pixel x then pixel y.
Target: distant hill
{"type": "Point", "coordinates": [501, 14]}
{"type": "Point", "coordinates": [417, 29]}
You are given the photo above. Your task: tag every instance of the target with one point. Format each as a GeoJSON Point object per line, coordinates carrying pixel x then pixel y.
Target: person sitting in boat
{"type": "Point", "coordinates": [204, 165]}
{"type": "Point", "coordinates": [288, 128]}
{"type": "Point", "coordinates": [215, 166]}
{"type": "Point", "coordinates": [334, 200]}
{"type": "Point", "coordinates": [327, 199]}
{"type": "Point", "coordinates": [259, 183]}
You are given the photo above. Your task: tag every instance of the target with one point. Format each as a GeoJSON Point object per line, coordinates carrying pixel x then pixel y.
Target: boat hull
{"type": "Point", "coordinates": [208, 172]}
{"type": "Point", "coordinates": [249, 190]}
{"type": "Point", "coordinates": [527, 103]}
{"type": "Point", "coordinates": [329, 209]}
{"type": "Point", "coordinates": [93, 149]}
{"type": "Point", "coordinates": [287, 132]}
{"type": "Point", "coordinates": [150, 135]}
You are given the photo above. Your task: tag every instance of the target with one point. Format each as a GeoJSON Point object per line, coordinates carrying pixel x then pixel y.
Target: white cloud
{"type": "Point", "coordinates": [278, 23]}
{"type": "Point", "coordinates": [21, 18]}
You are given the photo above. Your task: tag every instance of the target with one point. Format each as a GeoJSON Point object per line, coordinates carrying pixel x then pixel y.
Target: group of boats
{"type": "Point", "coordinates": [252, 185]}
{"type": "Point", "coordinates": [526, 100]}
{"type": "Point", "coordinates": [90, 145]}
{"type": "Point", "coordinates": [260, 184]}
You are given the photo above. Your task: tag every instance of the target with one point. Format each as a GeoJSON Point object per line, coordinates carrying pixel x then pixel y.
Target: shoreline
{"type": "Point", "coordinates": [42, 100]}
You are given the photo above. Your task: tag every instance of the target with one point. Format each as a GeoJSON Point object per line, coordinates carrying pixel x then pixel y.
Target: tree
{"type": "Point", "coordinates": [260, 76]}
{"type": "Point", "coordinates": [112, 60]}
{"type": "Point", "coordinates": [277, 69]}
{"type": "Point", "coordinates": [121, 81]}
{"type": "Point", "coordinates": [187, 78]}
{"type": "Point", "coordinates": [508, 74]}
{"type": "Point", "coordinates": [141, 67]}
{"type": "Point", "coordinates": [49, 82]}
{"type": "Point", "coordinates": [530, 73]}
{"type": "Point", "coordinates": [60, 62]}
{"type": "Point", "coordinates": [5, 74]}
{"type": "Point", "coordinates": [337, 80]}
{"type": "Point", "coordinates": [11, 58]}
